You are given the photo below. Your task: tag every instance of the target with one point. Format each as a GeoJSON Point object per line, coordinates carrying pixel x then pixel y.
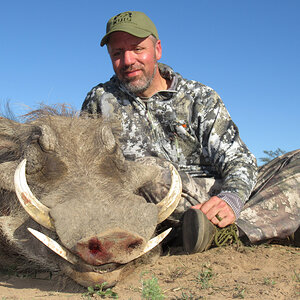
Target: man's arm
{"type": "Point", "coordinates": [225, 150]}
{"type": "Point", "coordinates": [91, 101]}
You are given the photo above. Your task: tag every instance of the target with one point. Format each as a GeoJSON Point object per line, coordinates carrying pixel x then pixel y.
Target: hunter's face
{"type": "Point", "coordinates": [134, 60]}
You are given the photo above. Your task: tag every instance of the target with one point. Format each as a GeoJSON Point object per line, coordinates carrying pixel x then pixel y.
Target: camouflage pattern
{"type": "Point", "coordinates": [273, 210]}
{"type": "Point", "coordinates": [194, 190]}
{"type": "Point", "coordinates": [188, 125]}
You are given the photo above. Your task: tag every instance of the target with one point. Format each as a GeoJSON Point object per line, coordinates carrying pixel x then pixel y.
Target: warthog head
{"type": "Point", "coordinates": [82, 198]}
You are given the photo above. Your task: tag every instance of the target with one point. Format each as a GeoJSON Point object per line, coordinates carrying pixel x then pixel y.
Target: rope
{"type": "Point", "coordinates": [227, 236]}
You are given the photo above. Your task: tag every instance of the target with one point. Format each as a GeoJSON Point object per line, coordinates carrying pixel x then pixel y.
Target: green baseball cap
{"type": "Point", "coordinates": [133, 22]}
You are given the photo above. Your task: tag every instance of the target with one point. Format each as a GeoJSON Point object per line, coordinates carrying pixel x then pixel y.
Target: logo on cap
{"type": "Point", "coordinates": [122, 18]}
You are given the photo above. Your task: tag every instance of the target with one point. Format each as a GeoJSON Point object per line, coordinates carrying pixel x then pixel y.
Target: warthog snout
{"type": "Point", "coordinates": [119, 246]}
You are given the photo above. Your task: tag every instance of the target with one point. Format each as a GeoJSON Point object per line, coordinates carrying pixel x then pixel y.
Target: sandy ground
{"type": "Point", "coordinates": [260, 272]}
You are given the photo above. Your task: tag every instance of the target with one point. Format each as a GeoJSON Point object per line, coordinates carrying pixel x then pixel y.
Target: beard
{"type": "Point", "coordinates": [139, 84]}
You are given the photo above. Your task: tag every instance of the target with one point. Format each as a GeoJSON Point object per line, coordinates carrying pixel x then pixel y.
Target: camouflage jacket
{"type": "Point", "coordinates": [187, 124]}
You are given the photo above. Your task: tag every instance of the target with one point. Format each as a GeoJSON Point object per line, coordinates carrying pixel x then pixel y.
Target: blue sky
{"type": "Point", "coordinates": [247, 50]}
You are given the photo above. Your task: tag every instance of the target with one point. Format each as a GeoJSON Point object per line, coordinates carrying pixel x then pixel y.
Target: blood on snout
{"type": "Point", "coordinates": [94, 252]}
{"type": "Point", "coordinates": [94, 246]}
{"type": "Point", "coordinates": [115, 247]}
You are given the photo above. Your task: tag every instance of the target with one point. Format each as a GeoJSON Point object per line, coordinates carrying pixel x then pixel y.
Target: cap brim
{"type": "Point", "coordinates": [141, 33]}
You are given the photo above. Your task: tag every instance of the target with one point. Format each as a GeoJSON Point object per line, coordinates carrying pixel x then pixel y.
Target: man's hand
{"type": "Point", "coordinates": [217, 211]}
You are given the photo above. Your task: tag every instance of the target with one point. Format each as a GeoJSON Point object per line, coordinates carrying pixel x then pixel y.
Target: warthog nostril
{"type": "Point", "coordinates": [118, 247]}
{"type": "Point", "coordinates": [94, 246]}
{"type": "Point", "coordinates": [134, 244]}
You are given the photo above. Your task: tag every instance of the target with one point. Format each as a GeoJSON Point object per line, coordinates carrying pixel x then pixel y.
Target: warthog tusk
{"type": "Point", "coordinates": [54, 246]}
{"type": "Point", "coordinates": [154, 242]}
{"type": "Point", "coordinates": [38, 211]}
{"type": "Point", "coordinates": [68, 256]}
{"type": "Point", "coordinates": [170, 202]}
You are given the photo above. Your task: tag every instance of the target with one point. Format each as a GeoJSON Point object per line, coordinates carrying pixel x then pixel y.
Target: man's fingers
{"type": "Point", "coordinates": [218, 218]}
{"type": "Point", "coordinates": [226, 221]}
{"type": "Point", "coordinates": [215, 221]}
{"type": "Point", "coordinates": [223, 222]}
{"type": "Point", "coordinates": [217, 211]}
{"type": "Point", "coordinates": [198, 206]}
{"type": "Point", "coordinates": [212, 203]}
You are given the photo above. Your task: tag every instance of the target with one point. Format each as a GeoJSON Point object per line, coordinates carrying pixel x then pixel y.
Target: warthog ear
{"type": "Point", "coordinates": [13, 138]}
{"type": "Point", "coordinates": [105, 139]}
{"type": "Point", "coordinates": [15, 141]}
{"type": "Point", "coordinates": [106, 136]}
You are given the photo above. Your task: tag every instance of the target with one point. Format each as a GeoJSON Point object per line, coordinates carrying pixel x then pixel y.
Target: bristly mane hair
{"type": "Point", "coordinates": [60, 109]}
{"type": "Point", "coordinates": [6, 111]}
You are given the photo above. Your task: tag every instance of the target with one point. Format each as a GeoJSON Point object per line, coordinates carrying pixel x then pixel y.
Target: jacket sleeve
{"type": "Point", "coordinates": [224, 149]}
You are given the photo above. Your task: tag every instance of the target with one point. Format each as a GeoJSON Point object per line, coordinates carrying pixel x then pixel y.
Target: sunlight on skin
{"type": "Point", "coordinates": [216, 206]}
{"type": "Point", "coordinates": [134, 61]}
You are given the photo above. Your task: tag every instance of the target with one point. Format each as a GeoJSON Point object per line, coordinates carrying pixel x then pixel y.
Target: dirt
{"type": "Point", "coordinates": [259, 272]}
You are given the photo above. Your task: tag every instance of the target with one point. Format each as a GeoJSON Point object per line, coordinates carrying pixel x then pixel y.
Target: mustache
{"type": "Point", "coordinates": [132, 68]}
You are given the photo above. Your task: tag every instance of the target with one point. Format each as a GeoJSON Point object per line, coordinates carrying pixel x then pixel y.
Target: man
{"type": "Point", "coordinates": [166, 116]}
